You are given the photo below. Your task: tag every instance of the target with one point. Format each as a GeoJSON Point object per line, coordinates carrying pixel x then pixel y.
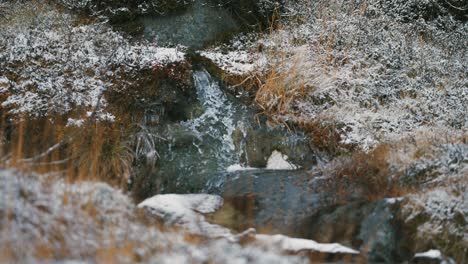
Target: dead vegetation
{"type": "Point", "coordinates": [370, 174]}
{"type": "Point", "coordinates": [93, 151]}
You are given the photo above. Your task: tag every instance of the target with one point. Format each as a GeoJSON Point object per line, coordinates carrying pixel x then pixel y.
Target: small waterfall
{"type": "Point", "coordinates": [222, 134]}
{"type": "Point", "coordinates": [217, 121]}
{"type": "Point", "coordinates": [202, 147]}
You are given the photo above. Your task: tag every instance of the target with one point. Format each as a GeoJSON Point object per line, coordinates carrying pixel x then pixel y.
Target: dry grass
{"type": "Point", "coordinates": [94, 151]}
{"type": "Point", "coordinates": [279, 91]}
{"type": "Point", "coordinates": [368, 173]}
{"type": "Point", "coordinates": [324, 136]}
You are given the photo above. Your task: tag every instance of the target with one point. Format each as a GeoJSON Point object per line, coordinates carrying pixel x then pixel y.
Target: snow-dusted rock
{"type": "Point", "coordinates": [298, 244]}
{"type": "Point", "coordinates": [432, 256]}
{"type": "Point", "coordinates": [186, 210]}
{"type": "Point", "coordinates": [90, 222]}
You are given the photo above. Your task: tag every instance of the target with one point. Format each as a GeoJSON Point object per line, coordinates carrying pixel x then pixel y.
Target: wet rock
{"type": "Point", "coordinates": [164, 90]}
{"type": "Point", "coordinates": [257, 142]}
{"type": "Point", "coordinates": [197, 26]}
{"type": "Point", "coordinates": [373, 227]}
{"type": "Point", "coordinates": [278, 201]}
{"type": "Point", "coordinates": [297, 204]}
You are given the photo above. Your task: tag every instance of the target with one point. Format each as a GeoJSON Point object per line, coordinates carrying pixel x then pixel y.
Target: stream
{"type": "Point", "coordinates": [218, 145]}
{"type": "Point", "coordinates": [265, 176]}
{"type": "Point", "coordinates": [220, 131]}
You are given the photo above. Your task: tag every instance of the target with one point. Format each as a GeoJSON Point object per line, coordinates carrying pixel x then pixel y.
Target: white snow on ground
{"type": "Point", "coordinates": [393, 200]}
{"type": "Point", "coordinates": [278, 161]}
{"type": "Point", "coordinates": [298, 244]}
{"type": "Point", "coordinates": [432, 253]}
{"type": "Point", "coordinates": [235, 62]}
{"type": "Point", "coordinates": [239, 167]}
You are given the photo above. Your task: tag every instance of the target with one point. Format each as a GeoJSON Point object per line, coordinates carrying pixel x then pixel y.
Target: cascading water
{"type": "Point", "coordinates": [217, 121]}
{"type": "Point", "coordinates": [197, 152]}
{"type": "Point", "coordinates": [203, 146]}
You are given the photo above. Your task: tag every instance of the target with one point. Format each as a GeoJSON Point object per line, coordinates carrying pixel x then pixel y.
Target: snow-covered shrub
{"type": "Point", "coordinates": [438, 165]}
{"type": "Point", "coordinates": [57, 72]}
{"type": "Point", "coordinates": [438, 216]}
{"type": "Point", "coordinates": [374, 76]}
{"type": "Point", "coordinates": [51, 64]}
{"type": "Point", "coordinates": [410, 10]}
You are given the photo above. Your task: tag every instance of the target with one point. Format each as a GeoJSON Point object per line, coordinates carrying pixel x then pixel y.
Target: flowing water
{"type": "Point", "coordinates": [202, 146]}
{"type": "Point", "coordinates": [197, 152]}
{"type": "Point", "coordinates": [216, 133]}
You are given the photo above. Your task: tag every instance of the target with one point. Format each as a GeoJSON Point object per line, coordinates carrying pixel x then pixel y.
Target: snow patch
{"type": "Point", "coordinates": [235, 62]}
{"type": "Point", "coordinates": [432, 253]}
{"type": "Point", "coordinates": [239, 167]}
{"type": "Point", "coordinates": [71, 122]}
{"type": "Point", "coordinates": [394, 200]}
{"type": "Point", "coordinates": [298, 244]}
{"type": "Point", "coordinates": [278, 161]}
{"type": "Point", "coordinates": [185, 210]}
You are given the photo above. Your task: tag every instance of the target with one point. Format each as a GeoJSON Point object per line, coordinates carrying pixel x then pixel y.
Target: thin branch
{"type": "Point", "coordinates": [465, 8]}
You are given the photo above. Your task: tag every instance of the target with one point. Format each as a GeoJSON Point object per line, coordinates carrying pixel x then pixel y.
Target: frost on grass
{"type": "Point", "coordinates": [438, 212]}
{"type": "Point", "coordinates": [381, 72]}
{"type": "Point", "coordinates": [52, 63]}
{"type": "Point", "coordinates": [353, 64]}
{"type": "Point", "coordinates": [46, 219]}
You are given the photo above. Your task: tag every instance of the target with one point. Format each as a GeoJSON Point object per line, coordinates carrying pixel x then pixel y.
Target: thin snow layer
{"type": "Point", "coordinates": [237, 62]}
{"type": "Point", "coordinates": [186, 210]}
{"type": "Point", "coordinates": [432, 253]}
{"type": "Point", "coordinates": [51, 63]}
{"type": "Point", "coordinates": [394, 200]}
{"type": "Point", "coordinates": [239, 167]}
{"type": "Point", "coordinates": [86, 221]}
{"type": "Point", "coordinates": [298, 244]}
{"type": "Point", "coordinates": [446, 204]}
{"type": "Point", "coordinates": [443, 204]}
{"type": "Point", "coordinates": [375, 76]}
{"type": "Point", "coordinates": [278, 161]}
